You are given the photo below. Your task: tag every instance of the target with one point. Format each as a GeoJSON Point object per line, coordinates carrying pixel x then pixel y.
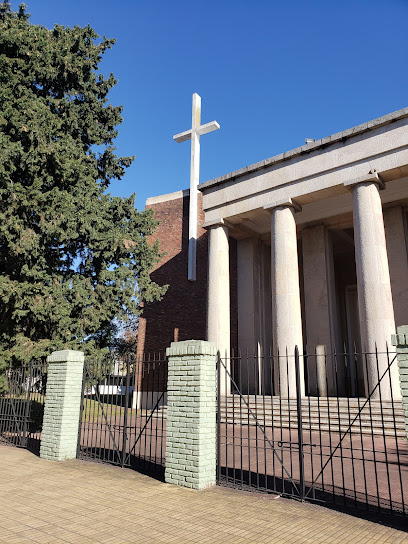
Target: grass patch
{"type": "Point", "coordinates": [93, 410]}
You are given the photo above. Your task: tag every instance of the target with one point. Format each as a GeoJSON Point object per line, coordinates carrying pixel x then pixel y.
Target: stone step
{"type": "Point", "coordinates": [318, 407]}
{"type": "Point", "coordinates": [386, 418]}
{"type": "Point", "coordinates": [322, 401]}
{"type": "Point", "coordinates": [315, 407]}
{"type": "Point", "coordinates": [399, 431]}
{"type": "Point", "coordinates": [344, 419]}
{"type": "Point", "coordinates": [398, 422]}
{"type": "Point", "coordinates": [323, 414]}
{"type": "Point", "coordinates": [243, 416]}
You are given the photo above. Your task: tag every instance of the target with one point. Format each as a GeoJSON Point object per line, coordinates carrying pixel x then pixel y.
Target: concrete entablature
{"type": "Point", "coordinates": [314, 176]}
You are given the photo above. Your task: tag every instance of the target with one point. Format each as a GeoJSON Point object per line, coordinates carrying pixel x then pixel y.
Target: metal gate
{"type": "Point", "coordinates": [22, 395]}
{"type": "Point", "coordinates": [123, 416]}
{"type": "Point", "coordinates": [337, 449]}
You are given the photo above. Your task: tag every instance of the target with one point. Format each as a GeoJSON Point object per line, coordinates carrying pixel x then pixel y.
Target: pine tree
{"type": "Point", "coordinates": [73, 258]}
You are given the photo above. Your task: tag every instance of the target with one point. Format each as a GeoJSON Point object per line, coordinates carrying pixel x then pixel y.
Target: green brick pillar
{"type": "Point", "coordinates": [62, 405]}
{"type": "Point", "coordinates": [400, 340]}
{"type": "Point", "coordinates": [191, 414]}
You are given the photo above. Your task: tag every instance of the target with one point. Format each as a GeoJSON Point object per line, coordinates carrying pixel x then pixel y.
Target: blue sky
{"type": "Point", "coordinates": [271, 73]}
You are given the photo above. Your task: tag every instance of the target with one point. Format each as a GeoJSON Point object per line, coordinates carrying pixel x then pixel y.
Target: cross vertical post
{"type": "Point", "coordinates": [194, 134]}
{"type": "Point", "coordinates": [194, 180]}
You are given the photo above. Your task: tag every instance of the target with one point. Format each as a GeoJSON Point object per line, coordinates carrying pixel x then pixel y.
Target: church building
{"type": "Point", "coordinates": [307, 248]}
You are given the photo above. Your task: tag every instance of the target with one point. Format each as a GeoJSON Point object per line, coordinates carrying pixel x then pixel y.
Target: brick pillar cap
{"type": "Point", "coordinates": [401, 338]}
{"type": "Point", "coordinates": [65, 356]}
{"type": "Point", "coordinates": [191, 347]}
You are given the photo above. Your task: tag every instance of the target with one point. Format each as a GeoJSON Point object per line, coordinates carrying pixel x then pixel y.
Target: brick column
{"type": "Point", "coordinates": [191, 414]}
{"type": "Point", "coordinates": [400, 340]}
{"type": "Point", "coordinates": [62, 405]}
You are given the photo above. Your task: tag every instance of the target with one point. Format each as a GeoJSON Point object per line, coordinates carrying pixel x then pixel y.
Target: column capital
{"type": "Point", "coordinates": [284, 203]}
{"type": "Point", "coordinates": [219, 222]}
{"type": "Point", "coordinates": [371, 177]}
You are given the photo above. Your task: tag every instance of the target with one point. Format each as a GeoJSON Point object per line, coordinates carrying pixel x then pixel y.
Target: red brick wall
{"type": "Point", "coordinates": [181, 314]}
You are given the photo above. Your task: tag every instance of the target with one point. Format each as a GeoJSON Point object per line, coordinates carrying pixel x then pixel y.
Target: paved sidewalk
{"type": "Point", "coordinates": [87, 503]}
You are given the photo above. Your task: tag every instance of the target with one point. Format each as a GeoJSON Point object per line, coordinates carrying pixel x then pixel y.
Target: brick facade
{"type": "Point", "coordinates": [181, 314]}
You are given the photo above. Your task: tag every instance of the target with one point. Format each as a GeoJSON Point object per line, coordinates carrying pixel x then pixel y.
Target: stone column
{"type": "Point", "coordinates": [286, 312]}
{"type": "Point", "coordinates": [373, 282]}
{"type": "Point", "coordinates": [320, 311]}
{"type": "Point", "coordinates": [191, 414]}
{"type": "Point", "coordinates": [254, 315]}
{"type": "Point", "coordinates": [218, 301]}
{"type": "Point", "coordinates": [395, 235]}
{"type": "Point", "coordinates": [248, 314]}
{"type": "Point", "coordinates": [400, 340]}
{"type": "Point", "coordinates": [62, 408]}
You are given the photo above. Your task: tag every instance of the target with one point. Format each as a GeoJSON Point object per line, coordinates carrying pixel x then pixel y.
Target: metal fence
{"type": "Point", "coordinates": [22, 395]}
{"type": "Point", "coordinates": [123, 418]}
{"type": "Point", "coordinates": [331, 448]}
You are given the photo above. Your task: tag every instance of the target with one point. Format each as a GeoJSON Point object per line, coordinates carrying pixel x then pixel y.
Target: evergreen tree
{"type": "Point", "coordinates": [73, 258]}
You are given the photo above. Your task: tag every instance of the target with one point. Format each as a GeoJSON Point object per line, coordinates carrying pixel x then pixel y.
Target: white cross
{"type": "Point", "coordinates": [194, 134]}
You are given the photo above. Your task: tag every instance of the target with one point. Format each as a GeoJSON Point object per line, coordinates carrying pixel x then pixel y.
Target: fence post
{"type": "Point", "coordinates": [62, 405]}
{"type": "Point", "coordinates": [400, 340]}
{"type": "Point", "coordinates": [191, 414]}
{"type": "Point", "coordinates": [300, 424]}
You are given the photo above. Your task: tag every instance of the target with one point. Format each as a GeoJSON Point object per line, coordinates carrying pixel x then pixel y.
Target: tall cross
{"type": "Point", "coordinates": [194, 134]}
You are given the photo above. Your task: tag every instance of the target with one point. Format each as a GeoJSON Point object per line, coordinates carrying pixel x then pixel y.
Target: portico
{"type": "Point", "coordinates": [321, 255]}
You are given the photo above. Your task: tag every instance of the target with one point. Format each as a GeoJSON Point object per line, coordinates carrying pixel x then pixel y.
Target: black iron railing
{"type": "Point", "coordinates": [22, 396]}
{"type": "Point", "coordinates": [295, 441]}
{"type": "Point", "coordinates": [123, 418]}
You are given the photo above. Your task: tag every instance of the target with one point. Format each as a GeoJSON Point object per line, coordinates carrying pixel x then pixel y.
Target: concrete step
{"type": "Point", "coordinates": [331, 409]}
{"type": "Point", "coordinates": [342, 414]}
{"type": "Point", "coordinates": [318, 414]}
{"type": "Point", "coordinates": [399, 431]}
{"type": "Point", "coordinates": [313, 407]}
{"type": "Point", "coordinates": [344, 420]}
{"type": "Point", "coordinates": [312, 401]}
{"type": "Point", "coordinates": [386, 419]}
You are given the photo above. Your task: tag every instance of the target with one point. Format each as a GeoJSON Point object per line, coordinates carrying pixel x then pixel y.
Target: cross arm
{"type": "Point", "coordinates": [208, 127]}
{"type": "Point", "coordinates": [182, 136]}
{"type": "Point", "coordinates": [202, 129]}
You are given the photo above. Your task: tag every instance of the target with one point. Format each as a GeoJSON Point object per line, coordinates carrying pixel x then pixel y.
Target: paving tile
{"type": "Point", "coordinates": [79, 502]}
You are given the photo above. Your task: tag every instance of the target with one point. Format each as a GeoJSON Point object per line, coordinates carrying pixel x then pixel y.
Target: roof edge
{"type": "Point", "coordinates": [167, 197]}
{"type": "Point", "coordinates": [338, 136]}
